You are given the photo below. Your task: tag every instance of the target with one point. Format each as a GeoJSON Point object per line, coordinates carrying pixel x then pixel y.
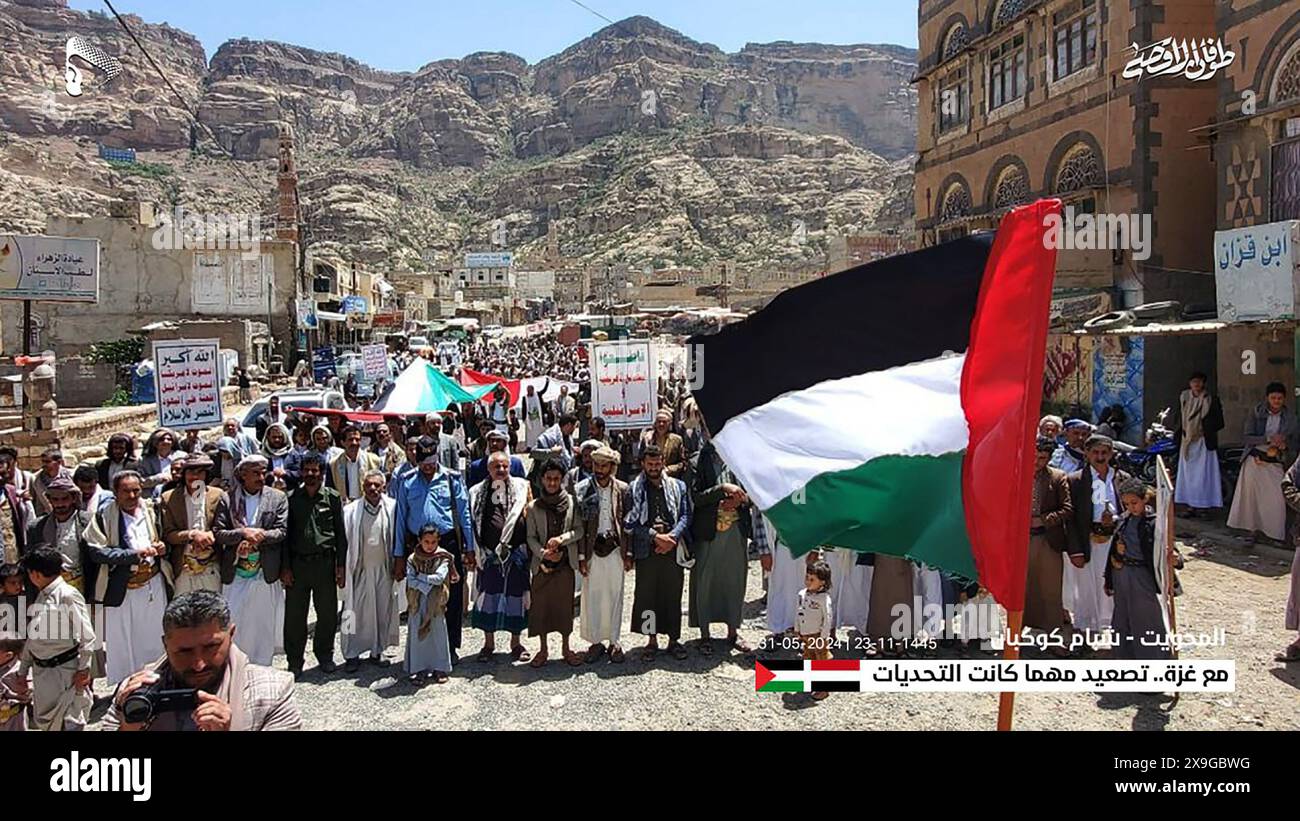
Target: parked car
{"type": "Point", "coordinates": [293, 398]}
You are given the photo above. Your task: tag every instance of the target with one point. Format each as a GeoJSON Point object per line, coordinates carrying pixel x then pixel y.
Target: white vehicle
{"type": "Point", "coordinates": [303, 398]}
{"type": "Point", "coordinates": [418, 343]}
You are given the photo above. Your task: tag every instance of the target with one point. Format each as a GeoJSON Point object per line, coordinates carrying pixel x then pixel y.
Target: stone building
{"type": "Point", "coordinates": [1022, 99]}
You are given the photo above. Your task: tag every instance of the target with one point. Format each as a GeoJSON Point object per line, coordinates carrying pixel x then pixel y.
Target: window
{"type": "Point", "coordinates": [1007, 72]}
{"type": "Point", "coordinates": [954, 101]}
{"type": "Point", "coordinates": [1075, 38]}
{"type": "Point", "coordinates": [1285, 187]}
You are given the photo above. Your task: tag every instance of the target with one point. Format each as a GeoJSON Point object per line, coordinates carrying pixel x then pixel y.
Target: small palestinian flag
{"type": "Point", "coordinates": [892, 408]}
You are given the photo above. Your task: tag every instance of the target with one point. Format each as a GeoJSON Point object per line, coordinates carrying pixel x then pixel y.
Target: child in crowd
{"type": "Point", "coordinates": [1138, 621]}
{"type": "Point", "coordinates": [429, 573]}
{"type": "Point", "coordinates": [13, 706]}
{"type": "Point", "coordinates": [11, 589]}
{"type": "Point", "coordinates": [813, 620]}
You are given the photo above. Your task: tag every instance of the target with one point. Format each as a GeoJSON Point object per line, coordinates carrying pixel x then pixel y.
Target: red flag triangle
{"type": "Point", "coordinates": [762, 675]}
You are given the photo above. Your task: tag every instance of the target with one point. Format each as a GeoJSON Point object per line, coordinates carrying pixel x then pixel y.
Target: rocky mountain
{"type": "Point", "coordinates": [637, 144]}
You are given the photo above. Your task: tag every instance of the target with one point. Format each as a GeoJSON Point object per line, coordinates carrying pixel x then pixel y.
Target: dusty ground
{"type": "Point", "coordinates": [1227, 583]}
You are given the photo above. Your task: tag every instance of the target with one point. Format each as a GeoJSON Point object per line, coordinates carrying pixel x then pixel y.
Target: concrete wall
{"type": "Point", "coordinates": [139, 285]}
{"type": "Point", "coordinates": [1274, 362]}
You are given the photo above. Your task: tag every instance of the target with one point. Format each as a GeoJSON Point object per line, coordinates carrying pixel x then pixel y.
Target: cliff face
{"type": "Point", "coordinates": [639, 143]}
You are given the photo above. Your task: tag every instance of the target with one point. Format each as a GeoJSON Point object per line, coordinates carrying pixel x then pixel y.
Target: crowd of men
{"type": "Point", "coordinates": [467, 519]}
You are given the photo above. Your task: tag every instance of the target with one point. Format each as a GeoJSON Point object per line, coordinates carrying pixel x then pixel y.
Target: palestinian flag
{"type": "Point", "coordinates": [892, 408]}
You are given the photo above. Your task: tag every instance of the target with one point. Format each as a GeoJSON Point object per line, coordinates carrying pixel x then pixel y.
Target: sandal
{"type": "Point", "coordinates": [573, 659]}
{"type": "Point", "coordinates": [649, 653]}
{"type": "Point", "coordinates": [741, 645]}
{"type": "Point", "coordinates": [1290, 656]}
{"type": "Point", "coordinates": [440, 678]}
{"type": "Point", "coordinates": [820, 695]}
{"type": "Point", "coordinates": [616, 655]}
{"type": "Point", "coordinates": [485, 654]}
{"type": "Point", "coordinates": [679, 652]}
{"type": "Point", "coordinates": [520, 653]}
{"type": "Point", "coordinates": [538, 661]}
{"type": "Point", "coordinates": [594, 652]}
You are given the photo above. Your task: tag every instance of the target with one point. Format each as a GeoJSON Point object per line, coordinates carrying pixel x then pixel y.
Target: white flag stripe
{"type": "Point", "coordinates": [911, 410]}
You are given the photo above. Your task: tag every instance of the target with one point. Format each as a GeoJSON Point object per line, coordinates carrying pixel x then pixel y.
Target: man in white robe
{"type": "Point", "coordinates": [604, 555]}
{"type": "Point", "coordinates": [786, 575]}
{"type": "Point", "coordinates": [251, 535]}
{"type": "Point", "coordinates": [850, 588]}
{"type": "Point", "coordinates": [533, 424]}
{"type": "Point", "coordinates": [370, 598]}
{"type": "Point", "coordinates": [1095, 501]}
{"type": "Point", "coordinates": [132, 576]}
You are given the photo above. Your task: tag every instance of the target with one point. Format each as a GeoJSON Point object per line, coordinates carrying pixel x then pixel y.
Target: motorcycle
{"type": "Point", "coordinates": [1141, 462]}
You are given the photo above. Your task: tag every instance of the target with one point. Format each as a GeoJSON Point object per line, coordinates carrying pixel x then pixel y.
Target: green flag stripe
{"type": "Point", "coordinates": [911, 505]}
{"type": "Point", "coordinates": [783, 686]}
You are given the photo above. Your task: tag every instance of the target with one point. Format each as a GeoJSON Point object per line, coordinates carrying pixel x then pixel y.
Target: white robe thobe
{"type": "Point", "coordinates": [256, 608]}
{"type": "Point", "coordinates": [533, 426]}
{"type": "Point", "coordinates": [133, 630]}
{"type": "Point", "coordinates": [601, 615]}
{"type": "Point", "coordinates": [370, 597]}
{"type": "Point", "coordinates": [850, 589]}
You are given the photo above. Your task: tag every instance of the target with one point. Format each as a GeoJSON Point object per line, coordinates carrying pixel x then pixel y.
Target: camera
{"type": "Point", "coordinates": [152, 699]}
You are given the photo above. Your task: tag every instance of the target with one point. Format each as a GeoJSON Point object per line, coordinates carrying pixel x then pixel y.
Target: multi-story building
{"type": "Point", "coordinates": [1256, 145]}
{"type": "Point", "coordinates": [1022, 99]}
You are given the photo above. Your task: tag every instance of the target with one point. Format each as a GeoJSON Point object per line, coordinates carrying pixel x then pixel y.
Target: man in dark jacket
{"type": "Point", "coordinates": [720, 531]}
{"type": "Point", "coordinates": [121, 456]}
{"type": "Point", "coordinates": [1095, 504]}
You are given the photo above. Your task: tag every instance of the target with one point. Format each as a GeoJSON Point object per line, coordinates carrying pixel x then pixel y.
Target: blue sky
{"type": "Point", "coordinates": [402, 35]}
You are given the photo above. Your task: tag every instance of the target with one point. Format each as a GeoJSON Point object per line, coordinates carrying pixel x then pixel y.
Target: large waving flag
{"type": "Point", "coordinates": [422, 388]}
{"type": "Point", "coordinates": [892, 408]}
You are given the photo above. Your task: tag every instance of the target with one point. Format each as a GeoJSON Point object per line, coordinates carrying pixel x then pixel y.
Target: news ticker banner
{"type": "Point", "coordinates": [993, 676]}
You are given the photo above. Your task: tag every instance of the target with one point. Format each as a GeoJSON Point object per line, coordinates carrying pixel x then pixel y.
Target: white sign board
{"type": "Point", "coordinates": [189, 383]}
{"type": "Point", "coordinates": [226, 282]}
{"type": "Point", "coordinates": [374, 359]}
{"type": "Point", "coordinates": [49, 269]}
{"type": "Point", "coordinates": [489, 259]}
{"type": "Point", "coordinates": [1255, 271]}
{"type": "Point", "coordinates": [624, 390]}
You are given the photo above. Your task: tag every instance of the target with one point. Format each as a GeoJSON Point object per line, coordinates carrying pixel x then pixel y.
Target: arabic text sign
{"type": "Point", "coordinates": [489, 259]}
{"type": "Point", "coordinates": [623, 384]}
{"type": "Point", "coordinates": [1255, 271]}
{"type": "Point", "coordinates": [50, 269]}
{"type": "Point", "coordinates": [322, 363]}
{"type": "Point", "coordinates": [999, 675]}
{"type": "Point", "coordinates": [374, 360]}
{"type": "Point", "coordinates": [188, 381]}
{"type": "Point", "coordinates": [1194, 59]}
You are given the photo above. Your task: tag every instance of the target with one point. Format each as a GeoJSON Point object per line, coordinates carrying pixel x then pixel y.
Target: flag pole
{"type": "Point", "coordinates": [1011, 652]}
{"type": "Point", "coordinates": [1169, 556]}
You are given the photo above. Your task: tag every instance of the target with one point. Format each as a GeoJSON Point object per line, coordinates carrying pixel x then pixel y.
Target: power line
{"type": "Point", "coordinates": [179, 98]}
{"type": "Point", "coordinates": [593, 11]}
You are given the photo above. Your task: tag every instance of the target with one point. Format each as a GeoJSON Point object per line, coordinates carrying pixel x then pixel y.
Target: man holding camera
{"type": "Point", "coordinates": [205, 682]}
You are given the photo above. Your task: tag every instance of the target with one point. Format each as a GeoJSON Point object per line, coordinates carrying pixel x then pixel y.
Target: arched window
{"type": "Point", "coordinates": [1012, 188]}
{"type": "Point", "coordinates": [1286, 85]}
{"type": "Point", "coordinates": [956, 203]}
{"type": "Point", "coordinates": [956, 40]}
{"type": "Point", "coordinates": [1007, 11]}
{"type": "Point", "coordinates": [1078, 170]}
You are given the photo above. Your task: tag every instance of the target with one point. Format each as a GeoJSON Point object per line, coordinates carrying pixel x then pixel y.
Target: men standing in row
{"type": "Point", "coordinates": [349, 468]}
{"type": "Point", "coordinates": [312, 568]}
{"type": "Point", "coordinates": [58, 657]}
{"type": "Point", "coordinates": [131, 577]}
{"type": "Point", "coordinates": [603, 555]}
{"type": "Point", "coordinates": [252, 533]}
{"type": "Point", "coordinates": [657, 522]}
{"type": "Point", "coordinates": [189, 514]}
{"type": "Point", "coordinates": [430, 495]}
{"type": "Point", "coordinates": [1094, 500]}
{"type": "Point", "coordinates": [368, 591]}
